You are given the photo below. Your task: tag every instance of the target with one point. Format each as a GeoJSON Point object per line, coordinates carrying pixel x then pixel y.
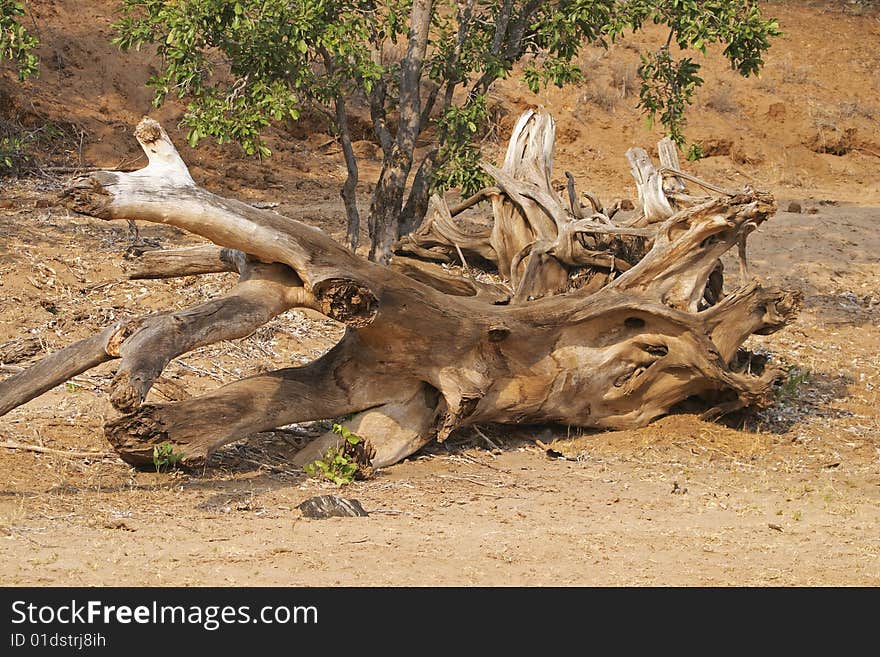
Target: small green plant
{"type": "Point", "coordinates": [460, 154]}
{"type": "Point", "coordinates": [694, 153]}
{"type": "Point", "coordinates": [794, 379]}
{"type": "Point", "coordinates": [72, 387]}
{"type": "Point", "coordinates": [20, 145]}
{"type": "Point", "coordinates": [15, 42]}
{"type": "Point", "coordinates": [338, 464]}
{"type": "Point", "coordinates": [165, 457]}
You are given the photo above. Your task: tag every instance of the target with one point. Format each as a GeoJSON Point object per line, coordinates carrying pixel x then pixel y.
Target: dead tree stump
{"type": "Point", "coordinates": [590, 321]}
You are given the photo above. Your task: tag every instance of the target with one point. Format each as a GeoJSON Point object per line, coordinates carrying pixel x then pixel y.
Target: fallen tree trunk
{"type": "Point", "coordinates": [586, 322]}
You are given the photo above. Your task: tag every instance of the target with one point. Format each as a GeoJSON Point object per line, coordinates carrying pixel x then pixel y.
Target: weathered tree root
{"type": "Point", "coordinates": [427, 352]}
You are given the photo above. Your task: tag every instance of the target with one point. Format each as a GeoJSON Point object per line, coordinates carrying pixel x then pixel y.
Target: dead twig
{"type": "Point", "coordinates": [8, 444]}
{"type": "Point", "coordinates": [486, 438]}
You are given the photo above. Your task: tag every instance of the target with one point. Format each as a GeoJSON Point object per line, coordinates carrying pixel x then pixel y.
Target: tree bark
{"type": "Point", "coordinates": [349, 188]}
{"type": "Point", "coordinates": [387, 202]}
{"type": "Point", "coordinates": [417, 202]}
{"type": "Point", "coordinates": [190, 261]}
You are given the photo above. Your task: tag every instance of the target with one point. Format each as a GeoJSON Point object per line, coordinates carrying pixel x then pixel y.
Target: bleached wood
{"type": "Point", "coordinates": [424, 355]}
{"type": "Point", "coordinates": [653, 203]}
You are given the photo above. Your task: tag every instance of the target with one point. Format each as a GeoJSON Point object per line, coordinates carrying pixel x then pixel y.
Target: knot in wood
{"type": "Point", "coordinates": [122, 332]}
{"type": "Point", "coordinates": [148, 131]}
{"type": "Point", "coordinates": [498, 333]}
{"type": "Point", "coordinates": [347, 302]}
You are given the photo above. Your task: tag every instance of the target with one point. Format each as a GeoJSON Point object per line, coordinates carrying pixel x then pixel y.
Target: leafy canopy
{"type": "Point", "coordinates": [15, 42]}
{"type": "Point", "coordinates": [245, 63]}
{"type": "Point", "coordinates": [272, 54]}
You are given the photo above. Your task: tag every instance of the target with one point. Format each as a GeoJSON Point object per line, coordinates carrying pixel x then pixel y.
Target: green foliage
{"type": "Point", "coordinates": [11, 152]}
{"type": "Point", "coordinates": [459, 153]}
{"type": "Point", "coordinates": [794, 379]}
{"type": "Point", "coordinates": [694, 152]}
{"type": "Point", "coordinates": [668, 87]}
{"type": "Point", "coordinates": [338, 463]}
{"type": "Point", "coordinates": [277, 55]}
{"type": "Point", "coordinates": [19, 145]}
{"type": "Point", "coordinates": [244, 64]}
{"type": "Point", "coordinates": [165, 457]}
{"type": "Point", "coordinates": [15, 42]}
{"type": "Point", "coordinates": [668, 84]}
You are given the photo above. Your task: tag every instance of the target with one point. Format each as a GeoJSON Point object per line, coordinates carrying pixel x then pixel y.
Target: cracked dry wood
{"type": "Point", "coordinates": [610, 325]}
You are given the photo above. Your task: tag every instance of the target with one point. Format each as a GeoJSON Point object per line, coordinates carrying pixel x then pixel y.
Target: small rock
{"type": "Point", "coordinates": [795, 207]}
{"type": "Point", "coordinates": [43, 203]}
{"type": "Point", "coordinates": [812, 210]}
{"type": "Point", "coordinates": [329, 506]}
{"type": "Point", "coordinates": [627, 204]}
{"type": "Point", "coordinates": [6, 204]}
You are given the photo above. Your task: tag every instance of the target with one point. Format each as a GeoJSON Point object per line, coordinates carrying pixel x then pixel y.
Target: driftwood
{"type": "Point", "coordinates": [39, 449]}
{"type": "Point", "coordinates": [581, 319]}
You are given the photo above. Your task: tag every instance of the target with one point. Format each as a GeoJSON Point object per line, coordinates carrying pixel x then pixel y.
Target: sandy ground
{"type": "Point", "coordinates": [787, 496]}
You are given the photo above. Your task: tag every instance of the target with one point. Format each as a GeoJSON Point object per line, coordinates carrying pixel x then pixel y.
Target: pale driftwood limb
{"type": "Point", "coordinates": [440, 238]}
{"type": "Point", "coordinates": [392, 431]}
{"type": "Point", "coordinates": [528, 210]}
{"type": "Point", "coordinates": [343, 292]}
{"type": "Point", "coordinates": [653, 204]}
{"type": "Point", "coordinates": [573, 202]}
{"type": "Point", "coordinates": [442, 281]}
{"type": "Point", "coordinates": [748, 310]}
{"type": "Point", "coordinates": [486, 438]}
{"type": "Point", "coordinates": [263, 292]}
{"type": "Point", "coordinates": [479, 197]}
{"type": "Point", "coordinates": [9, 444]}
{"type": "Point", "coordinates": [742, 256]}
{"type": "Point", "coordinates": [198, 426]}
{"type": "Point", "coordinates": [594, 227]}
{"type": "Point", "coordinates": [64, 364]}
{"type": "Point", "coordinates": [544, 274]}
{"type": "Point", "coordinates": [688, 245]}
{"type": "Point", "coordinates": [192, 261]}
{"type": "Point", "coordinates": [667, 152]}
{"type": "Point", "coordinates": [146, 345]}
{"type": "Point", "coordinates": [678, 173]}
{"type": "Point", "coordinates": [464, 263]}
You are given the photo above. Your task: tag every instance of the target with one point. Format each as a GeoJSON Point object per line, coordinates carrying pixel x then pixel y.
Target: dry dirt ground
{"type": "Point", "coordinates": [787, 496]}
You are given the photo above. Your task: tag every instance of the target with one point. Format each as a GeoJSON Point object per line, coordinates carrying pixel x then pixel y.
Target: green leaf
{"type": "Point", "coordinates": [278, 48]}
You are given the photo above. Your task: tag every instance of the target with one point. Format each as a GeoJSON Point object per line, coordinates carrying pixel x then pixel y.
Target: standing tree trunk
{"type": "Point", "coordinates": [417, 203]}
{"type": "Point", "coordinates": [349, 189]}
{"type": "Point", "coordinates": [595, 323]}
{"type": "Point", "coordinates": [387, 202]}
